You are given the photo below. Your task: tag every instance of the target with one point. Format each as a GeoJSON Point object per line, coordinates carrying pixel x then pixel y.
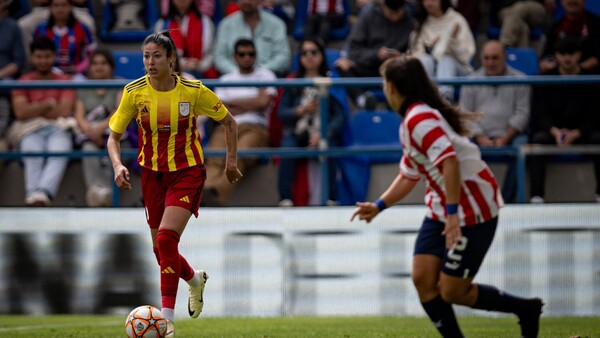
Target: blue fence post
{"type": "Point", "coordinates": [323, 85]}
{"type": "Point", "coordinates": [520, 162]}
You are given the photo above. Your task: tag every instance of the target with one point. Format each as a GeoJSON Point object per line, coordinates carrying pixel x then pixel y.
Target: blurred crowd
{"type": "Point", "coordinates": [261, 40]}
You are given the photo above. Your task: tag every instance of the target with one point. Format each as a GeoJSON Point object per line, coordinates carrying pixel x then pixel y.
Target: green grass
{"type": "Point", "coordinates": [69, 326]}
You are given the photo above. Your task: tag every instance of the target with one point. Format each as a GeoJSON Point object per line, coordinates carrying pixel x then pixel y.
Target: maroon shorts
{"type": "Point", "coordinates": [182, 188]}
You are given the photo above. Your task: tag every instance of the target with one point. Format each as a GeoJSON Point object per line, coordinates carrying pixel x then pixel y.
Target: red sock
{"type": "Point", "coordinates": [168, 241]}
{"type": "Point", "coordinates": [186, 271]}
{"type": "Point", "coordinates": [155, 249]}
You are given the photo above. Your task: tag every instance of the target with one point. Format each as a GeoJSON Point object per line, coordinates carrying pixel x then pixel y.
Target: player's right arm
{"type": "Point", "coordinates": [400, 187]}
{"type": "Point", "coordinates": [113, 145]}
{"type": "Point", "coordinates": [118, 124]}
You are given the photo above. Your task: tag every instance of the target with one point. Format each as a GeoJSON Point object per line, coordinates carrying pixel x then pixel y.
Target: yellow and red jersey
{"type": "Point", "coordinates": [168, 137]}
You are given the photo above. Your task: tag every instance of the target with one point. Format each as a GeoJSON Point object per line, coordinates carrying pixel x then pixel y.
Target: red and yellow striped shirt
{"type": "Point", "coordinates": [168, 137]}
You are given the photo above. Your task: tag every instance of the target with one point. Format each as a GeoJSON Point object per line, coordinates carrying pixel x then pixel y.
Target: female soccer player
{"type": "Point", "coordinates": [463, 200]}
{"type": "Point", "coordinates": [165, 108]}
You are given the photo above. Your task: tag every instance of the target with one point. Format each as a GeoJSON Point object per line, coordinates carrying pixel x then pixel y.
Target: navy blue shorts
{"type": "Point", "coordinates": [465, 258]}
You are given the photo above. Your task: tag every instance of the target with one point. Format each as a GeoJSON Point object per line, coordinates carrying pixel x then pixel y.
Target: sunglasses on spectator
{"type": "Point", "coordinates": [244, 54]}
{"type": "Point", "coordinates": [311, 52]}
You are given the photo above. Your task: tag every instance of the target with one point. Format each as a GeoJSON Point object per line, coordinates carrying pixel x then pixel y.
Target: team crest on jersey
{"type": "Point", "coordinates": [184, 108]}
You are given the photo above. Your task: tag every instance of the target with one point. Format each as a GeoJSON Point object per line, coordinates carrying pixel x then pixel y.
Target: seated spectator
{"type": "Point", "coordinates": [518, 17]}
{"type": "Point", "coordinates": [300, 114]}
{"type": "Point", "coordinates": [93, 109]}
{"type": "Point", "coordinates": [38, 127]}
{"type": "Point", "coordinates": [370, 43]}
{"type": "Point", "coordinates": [40, 12]}
{"type": "Point", "coordinates": [266, 30]}
{"type": "Point", "coordinates": [323, 16]}
{"type": "Point", "coordinates": [249, 106]}
{"type": "Point", "coordinates": [578, 23]}
{"type": "Point", "coordinates": [128, 15]}
{"type": "Point", "coordinates": [14, 9]}
{"type": "Point", "coordinates": [12, 60]}
{"type": "Point", "coordinates": [205, 7]}
{"type": "Point", "coordinates": [504, 109]}
{"type": "Point", "coordinates": [563, 115]}
{"type": "Point", "coordinates": [443, 42]}
{"type": "Point", "coordinates": [470, 9]}
{"type": "Point", "coordinates": [193, 35]}
{"type": "Point", "coordinates": [283, 9]}
{"type": "Point", "coordinates": [73, 39]}
{"type": "Point", "coordinates": [231, 7]}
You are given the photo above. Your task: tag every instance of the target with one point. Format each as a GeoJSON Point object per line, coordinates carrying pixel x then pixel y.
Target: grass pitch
{"type": "Point", "coordinates": [71, 326]}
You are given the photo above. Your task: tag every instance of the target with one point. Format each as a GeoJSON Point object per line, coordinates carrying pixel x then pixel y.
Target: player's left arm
{"type": "Point", "coordinates": [231, 169]}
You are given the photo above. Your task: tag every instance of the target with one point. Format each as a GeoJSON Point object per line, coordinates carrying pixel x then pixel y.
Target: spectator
{"type": "Point", "coordinates": [518, 17]}
{"type": "Point", "coordinates": [128, 15]}
{"type": "Point", "coordinates": [283, 9]}
{"type": "Point", "coordinates": [504, 109]}
{"type": "Point", "coordinates": [12, 60]}
{"type": "Point", "coordinates": [37, 128]}
{"type": "Point", "coordinates": [323, 16]}
{"type": "Point", "coordinates": [40, 12]}
{"type": "Point", "coordinates": [193, 34]}
{"type": "Point", "coordinates": [578, 23]}
{"type": "Point", "coordinates": [299, 111]}
{"type": "Point", "coordinates": [379, 34]}
{"type": "Point", "coordinates": [266, 30]}
{"type": "Point", "coordinates": [249, 106]}
{"type": "Point", "coordinates": [93, 109]}
{"type": "Point", "coordinates": [205, 7]}
{"type": "Point", "coordinates": [563, 115]}
{"type": "Point", "coordinates": [73, 39]}
{"type": "Point", "coordinates": [471, 11]}
{"type": "Point", "coordinates": [443, 42]}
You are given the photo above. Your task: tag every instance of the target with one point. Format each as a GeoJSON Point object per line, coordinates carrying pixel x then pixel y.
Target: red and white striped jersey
{"type": "Point", "coordinates": [427, 140]}
{"type": "Point", "coordinates": [325, 6]}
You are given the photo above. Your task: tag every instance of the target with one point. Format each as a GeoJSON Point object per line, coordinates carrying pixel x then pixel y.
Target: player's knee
{"type": "Point", "coordinates": [166, 240]}
{"type": "Point", "coordinates": [452, 294]}
{"type": "Point", "coordinates": [423, 282]}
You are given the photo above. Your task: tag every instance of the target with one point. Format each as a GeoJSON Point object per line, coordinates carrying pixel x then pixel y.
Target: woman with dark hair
{"type": "Point", "coordinates": [462, 197]}
{"type": "Point", "coordinates": [193, 34]}
{"type": "Point", "coordinates": [165, 107]}
{"type": "Point", "coordinates": [93, 109]}
{"type": "Point", "coordinates": [443, 41]}
{"type": "Point", "coordinates": [300, 114]}
{"type": "Point", "coordinates": [73, 39]}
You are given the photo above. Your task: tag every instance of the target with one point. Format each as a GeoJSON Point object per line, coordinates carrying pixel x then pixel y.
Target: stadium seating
{"type": "Point", "coordinates": [129, 64]}
{"type": "Point", "coordinates": [368, 128]}
{"type": "Point", "coordinates": [523, 59]}
{"type": "Point", "coordinates": [335, 34]}
{"type": "Point", "coordinates": [107, 34]}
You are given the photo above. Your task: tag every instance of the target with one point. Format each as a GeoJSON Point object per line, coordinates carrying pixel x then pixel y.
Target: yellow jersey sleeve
{"type": "Point", "coordinates": [126, 111]}
{"type": "Point", "coordinates": [209, 104]}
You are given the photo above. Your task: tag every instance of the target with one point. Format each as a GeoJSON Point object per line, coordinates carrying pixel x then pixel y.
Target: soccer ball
{"type": "Point", "coordinates": [145, 321]}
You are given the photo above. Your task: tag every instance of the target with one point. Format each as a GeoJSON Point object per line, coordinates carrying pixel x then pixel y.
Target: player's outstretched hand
{"type": "Point", "coordinates": [122, 177]}
{"type": "Point", "coordinates": [365, 211]}
{"type": "Point", "coordinates": [233, 174]}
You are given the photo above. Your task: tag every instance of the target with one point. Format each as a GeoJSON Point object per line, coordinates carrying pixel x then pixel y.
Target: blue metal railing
{"type": "Point", "coordinates": [324, 150]}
